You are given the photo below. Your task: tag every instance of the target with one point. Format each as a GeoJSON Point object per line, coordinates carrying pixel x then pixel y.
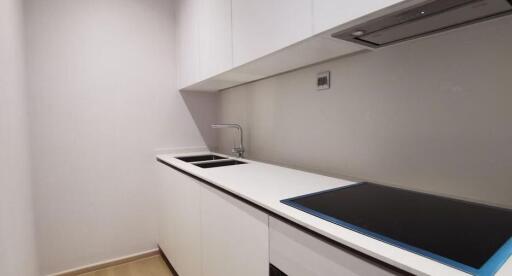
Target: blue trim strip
{"type": "Point", "coordinates": [490, 267]}
{"type": "Point", "coordinates": [497, 260]}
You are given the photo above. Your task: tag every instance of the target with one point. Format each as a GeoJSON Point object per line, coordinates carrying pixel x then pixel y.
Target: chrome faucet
{"type": "Point", "coordinates": [238, 150]}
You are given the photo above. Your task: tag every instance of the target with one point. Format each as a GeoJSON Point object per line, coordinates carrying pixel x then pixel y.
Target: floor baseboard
{"type": "Point", "coordinates": [112, 262]}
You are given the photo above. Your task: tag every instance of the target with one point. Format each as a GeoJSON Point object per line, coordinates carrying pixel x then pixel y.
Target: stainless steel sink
{"type": "Point", "coordinates": [222, 163]}
{"type": "Point", "coordinates": [209, 160]}
{"type": "Point", "coordinates": [198, 158]}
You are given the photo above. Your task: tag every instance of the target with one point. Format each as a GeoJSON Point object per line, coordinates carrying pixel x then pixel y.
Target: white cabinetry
{"type": "Point", "coordinates": [234, 236]}
{"type": "Point", "coordinates": [224, 43]}
{"type": "Point", "coordinates": [215, 49]}
{"type": "Point", "coordinates": [297, 253]}
{"type": "Point", "coordinates": [331, 13]}
{"type": "Point", "coordinates": [187, 33]}
{"type": "Point", "coordinates": [180, 220]}
{"type": "Point", "coordinates": [264, 26]}
{"type": "Point", "coordinates": [203, 231]}
{"type": "Point", "coordinates": [204, 45]}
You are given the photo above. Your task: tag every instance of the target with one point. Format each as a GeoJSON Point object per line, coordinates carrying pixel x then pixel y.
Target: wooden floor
{"type": "Point", "coordinates": [151, 266]}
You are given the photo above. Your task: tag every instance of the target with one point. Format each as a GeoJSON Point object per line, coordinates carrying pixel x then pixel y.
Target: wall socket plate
{"type": "Point", "coordinates": [323, 80]}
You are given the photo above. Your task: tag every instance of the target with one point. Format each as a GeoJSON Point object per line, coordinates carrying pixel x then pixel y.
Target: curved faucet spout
{"type": "Point", "coordinates": [238, 150]}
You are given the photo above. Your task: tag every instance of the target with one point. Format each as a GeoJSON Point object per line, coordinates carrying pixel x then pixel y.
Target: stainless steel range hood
{"type": "Point", "coordinates": [424, 19]}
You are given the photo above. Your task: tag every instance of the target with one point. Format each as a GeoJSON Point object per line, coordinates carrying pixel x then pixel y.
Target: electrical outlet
{"type": "Point", "coordinates": [323, 80]}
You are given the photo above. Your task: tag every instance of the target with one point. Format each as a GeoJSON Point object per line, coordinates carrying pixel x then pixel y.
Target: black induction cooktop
{"type": "Point", "coordinates": [472, 237]}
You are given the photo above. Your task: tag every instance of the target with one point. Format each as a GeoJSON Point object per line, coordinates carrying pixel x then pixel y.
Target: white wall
{"type": "Point", "coordinates": [433, 114]}
{"type": "Point", "coordinates": [103, 98]}
{"type": "Point", "coordinates": [17, 243]}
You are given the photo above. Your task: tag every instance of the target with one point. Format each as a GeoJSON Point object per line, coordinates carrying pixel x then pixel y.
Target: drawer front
{"type": "Point", "coordinates": [297, 253]}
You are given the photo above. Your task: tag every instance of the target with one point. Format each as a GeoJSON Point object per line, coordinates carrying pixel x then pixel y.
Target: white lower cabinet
{"type": "Point", "coordinates": [297, 253]}
{"type": "Point", "coordinates": [206, 232]}
{"type": "Point", "coordinates": [234, 236]}
{"type": "Point", "coordinates": [180, 220]}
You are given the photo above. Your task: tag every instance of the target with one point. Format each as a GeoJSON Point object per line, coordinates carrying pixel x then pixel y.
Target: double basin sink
{"type": "Point", "coordinates": [209, 161]}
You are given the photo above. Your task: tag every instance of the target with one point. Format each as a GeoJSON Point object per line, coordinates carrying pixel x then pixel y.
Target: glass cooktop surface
{"type": "Point", "coordinates": [468, 236]}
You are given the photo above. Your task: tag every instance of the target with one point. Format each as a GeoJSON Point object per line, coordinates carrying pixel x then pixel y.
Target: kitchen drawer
{"type": "Point", "coordinates": [298, 253]}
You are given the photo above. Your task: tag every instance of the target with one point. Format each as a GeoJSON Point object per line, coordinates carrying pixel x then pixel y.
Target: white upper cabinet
{"type": "Point", "coordinates": [224, 43]}
{"type": "Point", "coordinates": [187, 33]}
{"type": "Point", "coordinates": [331, 13]}
{"type": "Point", "coordinates": [204, 39]}
{"type": "Point", "coordinates": [216, 44]}
{"type": "Point", "coordinates": [264, 26]}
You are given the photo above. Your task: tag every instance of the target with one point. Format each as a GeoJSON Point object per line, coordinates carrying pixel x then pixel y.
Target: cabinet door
{"type": "Point", "coordinates": [180, 221]}
{"type": "Point", "coordinates": [188, 38]}
{"type": "Point", "coordinates": [215, 47]}
{"type": "Point", "coordinates": [297, 253]}
{"type": "Point", "coordinates": [331, 13]}
{"type": "Point", "coordinates": [234, 236]}
{"type": "Point", "coordinates": [264, 26]}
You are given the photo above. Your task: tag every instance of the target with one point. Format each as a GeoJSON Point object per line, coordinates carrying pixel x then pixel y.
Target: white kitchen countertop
{"type": "Point", "coordinates": [266, 185]}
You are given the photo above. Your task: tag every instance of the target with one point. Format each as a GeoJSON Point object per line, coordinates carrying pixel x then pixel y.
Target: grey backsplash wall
{"type": "Point", "coordinates": [433, 115]}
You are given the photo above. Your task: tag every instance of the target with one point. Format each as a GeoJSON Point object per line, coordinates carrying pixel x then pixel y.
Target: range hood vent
{"type": "Point", "coordinates": [424, 19]}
